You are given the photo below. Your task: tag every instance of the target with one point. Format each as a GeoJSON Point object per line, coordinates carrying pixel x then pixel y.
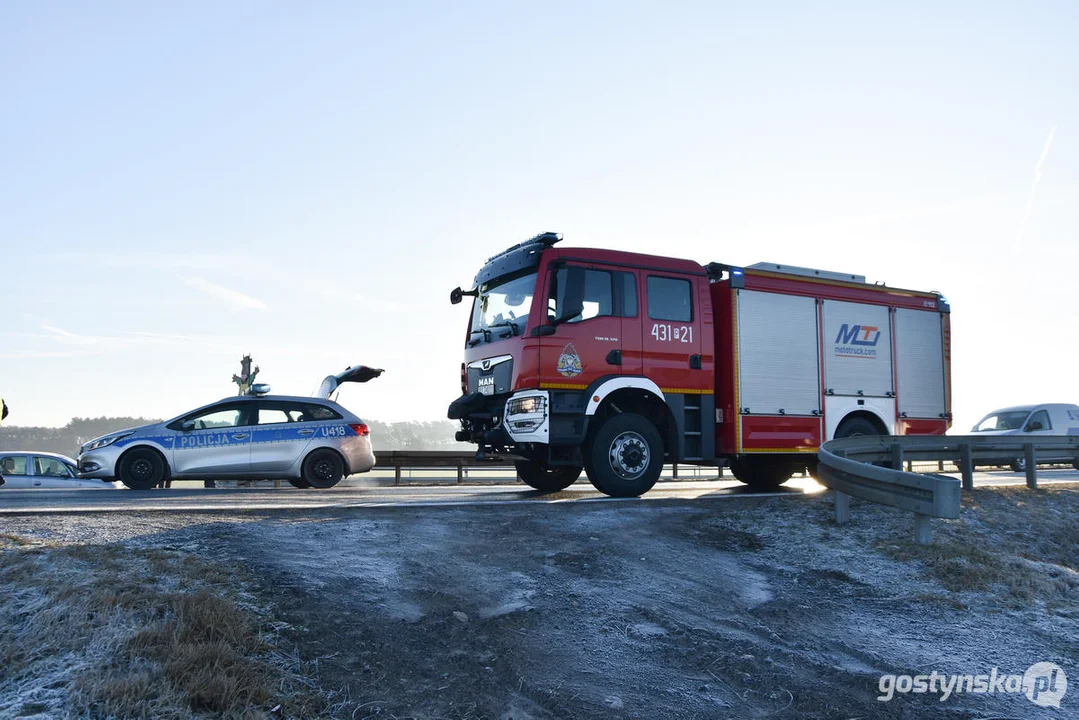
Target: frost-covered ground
{"type": "Point", "coordinates": [749, 607]}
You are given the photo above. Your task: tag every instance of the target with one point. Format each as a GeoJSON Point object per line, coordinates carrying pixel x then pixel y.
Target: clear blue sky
{"type": "Point", "coordinates": [184, 183]}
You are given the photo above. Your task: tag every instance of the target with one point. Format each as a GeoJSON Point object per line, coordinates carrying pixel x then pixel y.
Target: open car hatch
{"type": "Point", "coordinates": [359, 373]}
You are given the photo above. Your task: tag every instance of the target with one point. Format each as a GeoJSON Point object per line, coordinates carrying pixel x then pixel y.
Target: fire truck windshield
{"type": "Point", "coordinates": [501, 308]}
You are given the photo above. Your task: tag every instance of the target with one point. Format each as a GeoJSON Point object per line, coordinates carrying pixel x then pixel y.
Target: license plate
{"type": "Point", "coordinates": [486, 386]}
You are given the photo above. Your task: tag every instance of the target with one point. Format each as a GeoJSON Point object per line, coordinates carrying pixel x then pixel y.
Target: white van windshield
{"type": "Point", "coordinates": [1012, 420]}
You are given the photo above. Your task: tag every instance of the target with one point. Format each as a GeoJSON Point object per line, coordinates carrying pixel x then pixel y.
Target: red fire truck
{"type": "Point", "coordinates": [616, 363]}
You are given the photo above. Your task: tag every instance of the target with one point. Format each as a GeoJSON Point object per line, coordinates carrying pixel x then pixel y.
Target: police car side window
{"type": "Point", "coordinates": [273, 415]}
{"type": "Point", "coordinates": [320, 412]}
{"type": "Point", "coordinates": [221, 418]}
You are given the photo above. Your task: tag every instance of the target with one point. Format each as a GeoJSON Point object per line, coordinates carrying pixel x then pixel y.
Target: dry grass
{"type": "Point", "coordinates": [115, 632]}
{"type": "Point", "coordinates": [1018, 543]}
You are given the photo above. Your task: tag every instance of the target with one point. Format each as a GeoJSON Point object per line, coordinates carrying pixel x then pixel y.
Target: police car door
{"type": "Point", "coordinates": [218, 441]}
{"type": "Point", "coordinates": [285, 429]}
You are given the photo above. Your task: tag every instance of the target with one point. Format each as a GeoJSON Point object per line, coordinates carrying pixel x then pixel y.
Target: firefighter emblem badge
{"type": "Point", "coordinates": [569, 362]}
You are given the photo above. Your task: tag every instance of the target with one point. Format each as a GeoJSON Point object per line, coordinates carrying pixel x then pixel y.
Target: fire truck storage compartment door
{"type": "Point", "coordinates": [778, 355]}
{"type": "Point", "coordinates": [919, 341]}
{"type": "Point", "coordinates": [857, 349]}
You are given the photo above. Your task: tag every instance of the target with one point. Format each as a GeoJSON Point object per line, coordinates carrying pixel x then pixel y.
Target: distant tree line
{"type": "Point", "coordinates": [66, 440]}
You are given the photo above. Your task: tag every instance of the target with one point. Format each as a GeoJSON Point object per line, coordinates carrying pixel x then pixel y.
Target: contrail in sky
{"type": "Point", "coordinates": [1034, 187]}
{"type": "Point", "coordinates": [238, 299]}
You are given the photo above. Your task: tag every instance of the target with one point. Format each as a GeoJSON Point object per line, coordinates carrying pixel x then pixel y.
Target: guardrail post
{"type": "Point", "coordinates": [897, 456]}
{"type": "Point", "coordinates": [1032, 466]}
{"type": "Point", "coordinates": [674, 471]}
{"type": "Point", "coordinates": [922, 531]}
{"type": "Point", "coordinates": [396, 474]}
{"type": "Point", "coordinates": [460, 472]}
{"type": "Point", "coordinates": [966, 466]}
{"type": "Point", "coordinates": [842, 508]}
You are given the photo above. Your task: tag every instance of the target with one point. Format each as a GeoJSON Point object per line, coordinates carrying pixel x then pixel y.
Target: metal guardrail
{"type": "Point", "coordinates": [846, 466]}
{"type": "Point", "coordinates": [424, 459]}
{"type": "Point", "coordinates": [462, 460]}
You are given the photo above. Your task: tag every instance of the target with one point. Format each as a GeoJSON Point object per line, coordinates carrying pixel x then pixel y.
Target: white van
{"type": "Point", "coordinates": [1031, 421]}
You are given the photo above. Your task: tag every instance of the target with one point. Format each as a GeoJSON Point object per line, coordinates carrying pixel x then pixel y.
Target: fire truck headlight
{"type": "Point", "coordinates": [526, 406]}
{"type": "Point", "coordinates": [525, 414]}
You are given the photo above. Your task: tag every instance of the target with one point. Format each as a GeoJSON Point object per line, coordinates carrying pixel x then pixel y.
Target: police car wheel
{"type": "Point", "coordinates": [323, 469]}
{"type": "Point", "coordinates": [299, 483]}
{"type": "Point", "coordinates": [141, 469]}
{"type": "Point", "coordinates": [546, 479]}
{"type": "Point", "coordinates": [625, 456]}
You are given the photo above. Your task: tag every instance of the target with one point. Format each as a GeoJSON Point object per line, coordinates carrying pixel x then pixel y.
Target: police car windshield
{"type": "Point", "coordinates": [501, 308]}
{"type": "Point", "coordinates": [1002, 421]}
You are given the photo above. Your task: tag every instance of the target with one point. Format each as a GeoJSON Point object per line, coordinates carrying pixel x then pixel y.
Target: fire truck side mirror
{"type": "Point", "coordinates": [457, 294]}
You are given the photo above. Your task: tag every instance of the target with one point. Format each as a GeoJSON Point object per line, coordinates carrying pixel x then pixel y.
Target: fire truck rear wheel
{"type": "Point", "coordinates": [762, 473]}
{"type": "Point", "coordinates": [625, 457]}
{"type": "Point", "coordinates": [856, 427]}
{"type": "Point", "coordinates": [546, 479]}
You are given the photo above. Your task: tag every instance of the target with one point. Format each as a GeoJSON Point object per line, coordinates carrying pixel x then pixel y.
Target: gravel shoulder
{"type": "Point", "coordinates": [741, 608]}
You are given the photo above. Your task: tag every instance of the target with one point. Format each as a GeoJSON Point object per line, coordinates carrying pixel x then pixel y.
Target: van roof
{"type": "Point", "coordinates": [1029, 408]}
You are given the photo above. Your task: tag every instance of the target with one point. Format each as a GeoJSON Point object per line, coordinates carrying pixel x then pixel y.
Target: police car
{"type": "Point", "coordinates": [310, 441]}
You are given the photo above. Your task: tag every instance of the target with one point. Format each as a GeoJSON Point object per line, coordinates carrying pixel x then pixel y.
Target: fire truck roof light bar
{"type": "Point", "coordinates": [546, 239]}
{"type": "Point", "coordinates": [716, 270]}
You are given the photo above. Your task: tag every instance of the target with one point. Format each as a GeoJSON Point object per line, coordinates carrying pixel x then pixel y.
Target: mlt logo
{"type": "Point", "coordinates": [857, 341]}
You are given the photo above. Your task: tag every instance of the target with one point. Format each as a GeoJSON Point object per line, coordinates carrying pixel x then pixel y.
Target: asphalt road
{"type": "Point", "coordinates": [363, 492]}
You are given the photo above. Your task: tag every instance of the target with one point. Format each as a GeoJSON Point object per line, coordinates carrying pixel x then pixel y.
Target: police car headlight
{"type": "Point", "coordinates": [526, 406]}
{"type": "Point", "coordinates": [103, 442]}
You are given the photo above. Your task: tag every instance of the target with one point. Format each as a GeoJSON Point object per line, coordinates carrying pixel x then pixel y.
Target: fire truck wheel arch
{"type": "Point", "coordinates": [635, 395]}
{"type": "Point", "coordinates": [598, 394]}
{"type": "Point", "coordinates": [861, 423]}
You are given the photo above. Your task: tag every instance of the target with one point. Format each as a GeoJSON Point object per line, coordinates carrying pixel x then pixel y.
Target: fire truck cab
{"type": "Point", "coordinates": [616, 363]}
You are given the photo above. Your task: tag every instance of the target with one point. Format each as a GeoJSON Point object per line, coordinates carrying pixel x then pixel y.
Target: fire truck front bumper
{"type": "Point", "coordinates": [501, 422]}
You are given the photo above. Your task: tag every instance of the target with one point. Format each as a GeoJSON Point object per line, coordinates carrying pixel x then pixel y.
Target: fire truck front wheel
{"type": "Point", "coordinates": [546, 479]}
{"type": "Point", "coordinates": [625, 456]}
